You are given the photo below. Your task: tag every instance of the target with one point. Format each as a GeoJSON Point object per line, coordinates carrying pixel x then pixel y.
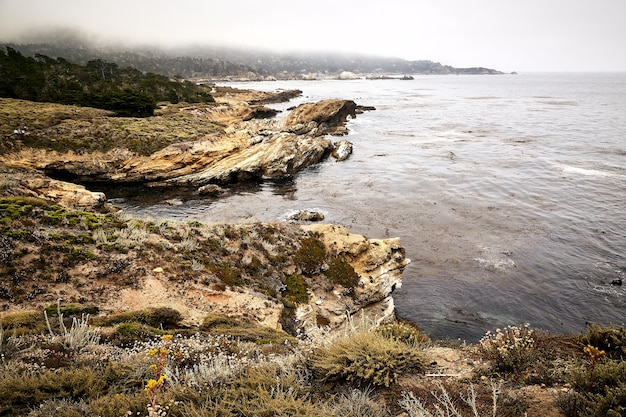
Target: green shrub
{"type": "Point", "coordinates": [310, 255]}
{"type": "Point", "coordinates": [127, 334]}
{"type": "Point", "coordinates": [267, 390]}
{"type": "Point", "coordinates": [609, 403]}
{"type": "Point", "coordinates": [61, 408]}
{"type": "Point", "coordinates": [71, 309]}
{"type": "Point", "coordinates": [341, 272]}
{"type": "Point", "coordinates": [213, 320]}
{"type": "Point", "coordinates": [226, 273]}
{"type": "Point", "coordinates": [366, 358]}
{"type": "Point", "coordinates": [598, 391]}
{"type": "Point", "coordinates": [20, 392]}
{"type": "Point", "coordinates": [296, 290]}
{"type": "Point", "coordinates": [403, 332]}
{"type": "Point", "coordinates": [219, 324]}
{"type": "Point", "coordinates": [258, 335]}
{"type": "Point", "coordinates": [599, 387]}
{"type": "Point", "coordinates": [120, 404]}
{"type": "Point", "coordinates": [159, 317]}
{"type": "Point", "coordinates": [609, 339]}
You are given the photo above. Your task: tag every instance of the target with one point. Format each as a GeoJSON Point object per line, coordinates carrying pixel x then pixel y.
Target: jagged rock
{"type": "Point", "coordinates": [307, 216]}
{"type": "Point", "coordinates": [256, 139]}
{"type": "Point", "coordinates": [361, 109]}
{"type": "Point", "coordinates": [277, 97]}
{"type": "Point", "coordinates": [259, 112]}
{"type": "Point", "coordinates": [379, 264]}
{"type": "Point", "coordinates": [32, 184]}
{"type": "Point", "coordinates": [342, 150]}
{"type": "Point", "coordinates": [245, 150]}
{"type": "Point", "coordinates": [329, 117]}
{"type": "Point", "coordinates": [210, 189]}
{"type": "Point", "coordinates": [280, 155]}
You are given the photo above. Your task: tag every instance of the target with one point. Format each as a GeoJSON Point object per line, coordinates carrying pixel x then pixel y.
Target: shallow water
{"type": "Point", "coordinates": [507, 191]}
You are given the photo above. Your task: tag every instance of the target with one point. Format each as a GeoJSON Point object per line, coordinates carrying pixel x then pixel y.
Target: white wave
{"type": "Point", "coordinates": [495, 264]}
{"type": "Point", "coordinates": [568, 169]}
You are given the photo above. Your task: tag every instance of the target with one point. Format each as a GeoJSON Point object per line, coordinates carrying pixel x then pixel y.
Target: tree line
{"type": "Point", "coordinates": [126, 91]}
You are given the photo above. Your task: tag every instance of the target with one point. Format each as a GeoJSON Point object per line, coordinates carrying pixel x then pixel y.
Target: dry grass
{"type": "Point", "coordinates": [366, 358]}
{"type": "Point", "coordinates": [444, 404]}
{"type": "Point", "coordinates": [219, 375]}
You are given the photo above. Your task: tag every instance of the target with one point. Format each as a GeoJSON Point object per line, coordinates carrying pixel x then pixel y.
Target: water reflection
{"type": "Point", "coordinates": [283, 187]}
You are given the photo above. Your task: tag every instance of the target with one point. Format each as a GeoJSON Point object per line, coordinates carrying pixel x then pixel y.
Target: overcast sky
{"type": "Point", "coordinates": [509, 35]}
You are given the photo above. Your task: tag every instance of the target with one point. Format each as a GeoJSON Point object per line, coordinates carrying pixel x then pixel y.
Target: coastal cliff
{"type": "Point", "coordinates": [308, 279]}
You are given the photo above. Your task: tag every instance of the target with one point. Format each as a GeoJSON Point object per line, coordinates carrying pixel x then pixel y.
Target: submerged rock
{"type": "Point", "coordinates": [307, 216]}
{"type": "Point", "coordinates": [342, 150]}
{"type": "Point", "coordinates": [211, 189]}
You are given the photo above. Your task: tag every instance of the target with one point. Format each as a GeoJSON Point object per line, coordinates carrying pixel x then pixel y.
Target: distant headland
{"type": "Point", "coordinates": [232, 64]}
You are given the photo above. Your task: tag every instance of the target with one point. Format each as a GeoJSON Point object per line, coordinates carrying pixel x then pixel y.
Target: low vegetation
{"type": "Point", "coordinates": [367, 359]}
{"type": "Point", "coordinates": [66, 351]}
{"type": "Point", "coordinates": [62, 128]}
{"type": "Point", "coordinates": [81, 369]}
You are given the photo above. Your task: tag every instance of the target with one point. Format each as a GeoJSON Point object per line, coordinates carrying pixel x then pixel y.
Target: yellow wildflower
{"type": "Point", "coordinates": [166, 337]}
{"type": "Point", "coordinates": [152, 383]}
{"type": "Point", "coordinates": [593, 352]}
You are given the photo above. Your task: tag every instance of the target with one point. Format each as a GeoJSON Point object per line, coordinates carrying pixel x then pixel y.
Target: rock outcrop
{"type": "Point", "coordinates": [342, 150]}
{"type": "Point", "coordinates": [353, 275]}
{"type": "Point", "coordinates": [23, 182]}
{"type": "Point", "coordinates": [379, 264]}
{"type": "Point", "coordinates": [306, 216]}
{"type": "Point", "coordinates": [326, 117]}
{"type": "Point", "coordinates": [248, 148]}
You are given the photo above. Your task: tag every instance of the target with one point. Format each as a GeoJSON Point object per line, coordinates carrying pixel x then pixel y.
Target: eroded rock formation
{"type": "Point", "coordinates": [30, 183]}
{"type": "Point", "coordinates": [249, 147]}
{"type": "Point", "coordinates": [379, 264]}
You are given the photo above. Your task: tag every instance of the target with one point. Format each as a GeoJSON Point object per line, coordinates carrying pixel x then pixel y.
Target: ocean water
{"type": "Point", "coordinates": [508, 193]}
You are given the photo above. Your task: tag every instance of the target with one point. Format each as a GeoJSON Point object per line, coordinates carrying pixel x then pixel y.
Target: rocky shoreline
{"type": "Point", "coordinates": [244, 145]}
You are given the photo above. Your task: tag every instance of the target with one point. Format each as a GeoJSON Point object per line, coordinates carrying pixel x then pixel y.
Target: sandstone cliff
{"type": "Point", "coordinates": [377, 262]}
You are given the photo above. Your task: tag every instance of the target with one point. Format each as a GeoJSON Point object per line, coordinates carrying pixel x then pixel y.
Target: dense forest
{"type": "Point", "coordinates": [100, 84]}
